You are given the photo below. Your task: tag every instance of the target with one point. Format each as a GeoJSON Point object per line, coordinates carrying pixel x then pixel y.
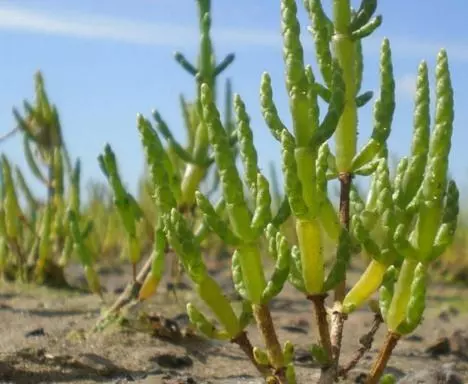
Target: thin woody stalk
{"type": "Point", "coordinates": [322, 323]}
{"type": "Point", "coordinates": [274, 351]}
{"type": "Point", "coordinates": [378, 368]}
{"type": "Point", "coordinates": [129, 294]}
{"type": "Point", "coordinates": [366, 344]}
{"type": "Point", "coordinates": [244, 343]}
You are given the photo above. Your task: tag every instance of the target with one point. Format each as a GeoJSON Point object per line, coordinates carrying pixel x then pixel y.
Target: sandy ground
{"type": "Point", "coordinates": [45, 338]}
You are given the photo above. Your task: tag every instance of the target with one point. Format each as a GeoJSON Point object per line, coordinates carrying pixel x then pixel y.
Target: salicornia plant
{"type": "Point", "coordinates": [37, 242]}
{"type": "Point", "coordinates": [43, 140]}
{"type": "Point", "coordinates": [242, 231]}
{"type": "Point", "coordinates": [405, 221]}
{"type": "Point", "coordinates": [427, 207]}
{"type": "Point", "coordinates": [189, 164]}
{"type": "Point", "coordinates": [126, 205]}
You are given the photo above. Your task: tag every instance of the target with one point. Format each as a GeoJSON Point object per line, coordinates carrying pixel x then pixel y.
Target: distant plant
{"type": "Point", "coordinates": [189, 165]}
{"type": "Point", "coordinates": [37, 241]}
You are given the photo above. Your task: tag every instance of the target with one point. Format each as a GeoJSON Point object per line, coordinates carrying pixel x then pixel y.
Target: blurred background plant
{"type": "Point", "coordinates": [37, 237]}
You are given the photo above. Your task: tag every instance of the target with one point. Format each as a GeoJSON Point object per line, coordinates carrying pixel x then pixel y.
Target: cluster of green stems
{"type": "Point", "coordinates": [403, 224]}
{"type": "Point", "coordinates": [39, 238]}
{"type": "Point", "coordinates": [189, 168]}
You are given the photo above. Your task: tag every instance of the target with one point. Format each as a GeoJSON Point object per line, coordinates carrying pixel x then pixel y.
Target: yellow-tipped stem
{"type": "Point", "coordinates": [134, 249]}
{"type": "Point", "coordinates": [212, 295]}
{"type": "Point", "coordinates": [193, 175]}
{"type": "Point", "coordinates": [310, 244]}
{"type": "Point", "coordinates": [367, 285]}
{"type": "Point", "coordinates": [134, 271]}
{"type": "Point", "coordinates": [93, 280]}
{"type": "Point", "coordinates": [148, 288]}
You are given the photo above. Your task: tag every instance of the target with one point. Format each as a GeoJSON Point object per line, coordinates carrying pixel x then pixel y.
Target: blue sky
{"type": "Point", "coordinates": [105, 61]}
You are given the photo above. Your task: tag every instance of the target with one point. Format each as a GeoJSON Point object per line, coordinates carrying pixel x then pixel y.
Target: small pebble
{"type": "Point", "coordinates": [119, 290]}
{"type": "Point", "coordinates": [168, 360]}
{"type": "Point", "coordinates": [303, 356]}
{"type": "Point", "coordinates": [35, 332]}
{"type": "Point", "coordinates": [415, 338]}
{"type": "Point", "coordinates": [99, 364]}
{"type": "Point", "coordinates": [294, 329]}
{"type": "Point", "coordinates": [456, 344]}
{"type": "Point", "coordinates": [440, 347]}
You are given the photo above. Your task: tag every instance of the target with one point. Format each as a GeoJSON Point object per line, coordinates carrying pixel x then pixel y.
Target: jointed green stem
{"type": "Point", "coordinates": [344, 48]}
{"type": "Point", "coordinates": [397, 311]}
{"type": "Point", "coordinates": [252, 270]}
{"type": "Point", "coordinates": [310, 244]}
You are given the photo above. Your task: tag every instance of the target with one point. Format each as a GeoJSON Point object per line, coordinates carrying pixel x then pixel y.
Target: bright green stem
{"type": "Point", "coordinates": [345, 51]}
{"type": "Point", "coordinates": [310, 245]}
{"type": "Point", "coordinates": [341, 15]}
{"type": "Point", "coordinates": [252, 272]}
{"type": "Point", "coordinates": [397, 311]}
{"type": "Point", "coordinates": [305, 157]}
{"type": "Point", "coordinates": [427, 226]}
{"type": "Point", "coordinates": [201, 144]}
{"type": "Point", "coordinates": [213, 296]}
{"type": "Point", "coordinates": [134, 249]}
{"type": "Point", "coordinates": [193, 175]}
{"type": "Point", "coordinates": [367, 285]}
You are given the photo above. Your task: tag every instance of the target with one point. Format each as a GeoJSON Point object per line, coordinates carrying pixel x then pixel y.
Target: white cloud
{"type": "Point", "coordinates": [80, 25]}
{"type": "Point", "coordinates": [84, 25]}
{"type": "Point", "coordinates": [405, 86]}
{"type": "Point", "coordinates": [88, 26]}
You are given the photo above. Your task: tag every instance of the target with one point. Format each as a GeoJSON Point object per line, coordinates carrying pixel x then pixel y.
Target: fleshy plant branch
{"type": "Point", "coordinates": [425, 229]}
{"type": "Point", "coordinates": [37, 239]}
{"type": "Point", "coordinates": [190, 163]}
{"type": "Point", "coordinates": [403, 222]}
{"type": "Point", "coordinates": [173, 229]}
